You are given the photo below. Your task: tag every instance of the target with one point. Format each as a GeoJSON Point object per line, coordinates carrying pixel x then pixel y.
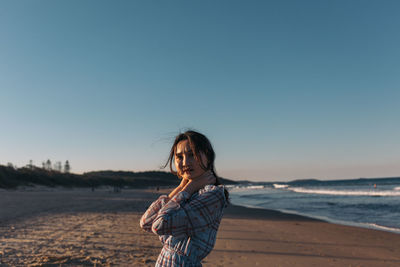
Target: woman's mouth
{"type": "Point", "coordinates": [187, 171]}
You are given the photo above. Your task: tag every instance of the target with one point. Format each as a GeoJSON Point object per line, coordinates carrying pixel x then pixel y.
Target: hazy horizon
{"type": "Point", "coordinates": [284, 90]}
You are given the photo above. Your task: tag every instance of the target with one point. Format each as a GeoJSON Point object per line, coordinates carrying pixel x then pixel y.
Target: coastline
{"type": "Point", "coordinates": [328, 220]}
{"type": "Point", "coordinates": [235, 211]}
{"type": "Point", "coordinates": [80, 227]}
{"type": "Point", "coordinates": [261, 237]}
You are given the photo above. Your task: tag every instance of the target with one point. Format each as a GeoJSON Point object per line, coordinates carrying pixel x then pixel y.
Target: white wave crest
{"type": "Point", "coordinates": [384, 228]}
{"type": "Point", "coordinates": [255, 187]}
{"type": "Point", "coordinates": [397, 188]}
{"type": "Point", "coordinates": [280, 185]}
{"type": "Point", "coordinates": [345, 192]}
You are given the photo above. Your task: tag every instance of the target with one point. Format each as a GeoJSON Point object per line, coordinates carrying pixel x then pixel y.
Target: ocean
{"type": "Point", "coordinates": [370, 203]}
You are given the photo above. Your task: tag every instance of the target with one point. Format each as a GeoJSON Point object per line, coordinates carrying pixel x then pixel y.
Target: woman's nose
{"type": "Point", "coordinates": [185, 161]}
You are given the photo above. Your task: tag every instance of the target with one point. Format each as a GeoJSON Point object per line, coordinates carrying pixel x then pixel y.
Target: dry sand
{"type": "Point", "coordinates": [53, 227]}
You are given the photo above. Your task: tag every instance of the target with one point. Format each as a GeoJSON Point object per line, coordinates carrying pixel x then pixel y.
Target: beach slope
{"type": "Point", "coordinates": [58, 227]}
{"type": "Point", "coordinates": [257, 237]}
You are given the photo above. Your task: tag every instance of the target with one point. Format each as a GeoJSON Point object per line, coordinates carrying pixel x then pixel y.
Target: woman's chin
{"type": "Point", "coordinates": [189, 176]}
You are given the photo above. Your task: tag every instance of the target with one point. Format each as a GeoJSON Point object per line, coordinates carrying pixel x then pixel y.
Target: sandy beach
{"type": "Point", "coordinates": [60, 227]}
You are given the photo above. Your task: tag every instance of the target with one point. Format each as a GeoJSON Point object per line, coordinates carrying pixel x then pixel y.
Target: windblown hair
{"type": "Point", "coordinates": [198, 143]}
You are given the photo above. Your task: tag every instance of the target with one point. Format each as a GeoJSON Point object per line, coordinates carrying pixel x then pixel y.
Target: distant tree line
{"type": "Point", "coordinates": [57, 166]}
{"type": "Point", "coordinates": [11, 177]}
{"type": "Point", "coordinates": [47, 165]}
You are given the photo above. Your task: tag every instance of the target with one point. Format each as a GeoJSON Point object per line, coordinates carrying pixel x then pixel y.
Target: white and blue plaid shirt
{"type": "Point", "coordinates": [187, 225]}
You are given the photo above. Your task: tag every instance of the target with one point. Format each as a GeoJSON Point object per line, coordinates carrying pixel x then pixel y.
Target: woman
{"type": "Point", "coordinates": [187, 219]}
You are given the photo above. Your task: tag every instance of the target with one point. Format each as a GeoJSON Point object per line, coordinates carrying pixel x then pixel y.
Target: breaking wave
{"type": "Point", "coordinates": [392, 193]}
{"type": "Point", "coordinates": [280, 185]}
{"type": "Point", "coordinates": [384, 228]}
{"type": "Point", "coordinates": [255, 187]}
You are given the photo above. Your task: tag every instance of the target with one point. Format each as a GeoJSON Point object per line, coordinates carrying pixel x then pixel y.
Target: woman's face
{"type": "Point", "coordinates": [185, 163]}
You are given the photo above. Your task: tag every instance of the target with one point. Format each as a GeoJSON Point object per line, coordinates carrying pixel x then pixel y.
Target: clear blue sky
{"type": "Point", "coordinates": [284, 89]}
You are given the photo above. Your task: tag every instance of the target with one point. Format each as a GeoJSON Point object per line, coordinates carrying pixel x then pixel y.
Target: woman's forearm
{"type": "Point", "coordinates": [175, 191]}
{"type": "Point", "coordinates": [179, 188]}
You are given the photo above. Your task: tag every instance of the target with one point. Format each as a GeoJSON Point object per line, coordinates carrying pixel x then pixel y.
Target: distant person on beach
{"type": "Point", "coordinates": [187, 220]}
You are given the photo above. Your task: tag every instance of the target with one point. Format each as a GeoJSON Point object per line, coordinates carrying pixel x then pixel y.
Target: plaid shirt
{"type": "Point", "coordinates": [187, 225]}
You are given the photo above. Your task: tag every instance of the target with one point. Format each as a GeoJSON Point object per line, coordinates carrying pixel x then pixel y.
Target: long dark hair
{"type": "Point", "coordinates": [198, 143]}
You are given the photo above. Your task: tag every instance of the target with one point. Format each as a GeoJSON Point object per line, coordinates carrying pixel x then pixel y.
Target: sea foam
{"type": "Point", "coordinates": [280, 185]}
{"type": "Point", "coordinates": [384, 228]}
{"type": "Point", "coordinates": [255, 187]}
{"type": "Point", "coordinates": [392, 193]}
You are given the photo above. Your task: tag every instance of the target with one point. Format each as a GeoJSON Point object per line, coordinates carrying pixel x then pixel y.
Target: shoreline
{"type": "Point", "coordinates": [328, 220]}
{"type": "Point", "coordinates": [81, 227]}
{"type": "Point", "coordinates": [263, 237]}
{"type": "Point", "coordinates": [253, 210]}
{"type": "Point", "coordinates": [337, 208]}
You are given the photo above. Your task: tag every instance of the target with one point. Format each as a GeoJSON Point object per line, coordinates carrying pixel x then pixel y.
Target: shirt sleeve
{"type": "Point", "coordinates": [180, 217]}
{"type": "Point", "coordinates": [151, 213]}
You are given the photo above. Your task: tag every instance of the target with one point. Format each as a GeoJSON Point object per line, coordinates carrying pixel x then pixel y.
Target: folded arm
{"type": "Point", "coordinates": [151, 213]}
{"type": "Point", "coordinates": [181, 218]}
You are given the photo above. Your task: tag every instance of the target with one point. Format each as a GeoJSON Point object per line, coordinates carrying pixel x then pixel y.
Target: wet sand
{"type": "Point", "coordinates": [53, 227]}
{"type": "Point", "coordinates": [256, 237]}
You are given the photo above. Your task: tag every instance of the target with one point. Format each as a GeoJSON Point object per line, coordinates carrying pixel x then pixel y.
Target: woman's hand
{"type": "Point", "coordinates": [183, 183]}
{"type": "Point", "coordinates": [199, 182]}
{"type": "Point", "coordinates": [179, 188]}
